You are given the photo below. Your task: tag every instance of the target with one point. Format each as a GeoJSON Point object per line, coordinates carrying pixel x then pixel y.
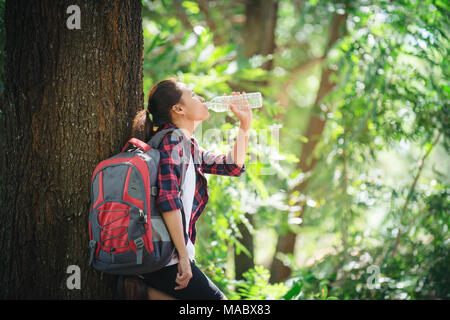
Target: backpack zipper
{"type": "Point", "coordinates": [141, 213]}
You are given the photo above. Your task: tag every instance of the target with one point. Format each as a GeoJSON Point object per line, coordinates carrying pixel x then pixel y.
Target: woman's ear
{"type": "Point", "coordinates": [178, 109]}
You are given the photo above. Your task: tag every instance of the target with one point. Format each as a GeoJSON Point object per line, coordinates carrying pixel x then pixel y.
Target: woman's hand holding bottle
{"type": "Point", "coordinates": [243, 112]}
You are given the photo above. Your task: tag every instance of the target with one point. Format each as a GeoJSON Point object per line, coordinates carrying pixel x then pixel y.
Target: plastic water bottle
{"type": "Point", "coordinates": [221, 103]}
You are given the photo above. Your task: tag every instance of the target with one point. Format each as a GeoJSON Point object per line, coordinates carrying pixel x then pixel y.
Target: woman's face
{"type": "Point", "coordinates": [192, 105]}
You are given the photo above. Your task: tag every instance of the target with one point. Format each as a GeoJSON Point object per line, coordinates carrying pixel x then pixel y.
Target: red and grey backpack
{"type": "Point", "coordinates": [127, 233]}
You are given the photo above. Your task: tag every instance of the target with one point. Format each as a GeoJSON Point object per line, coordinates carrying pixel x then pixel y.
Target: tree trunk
{"type": "Point", "coordinates": [242, 262]}
{"type": "Point", "coordinates": [259, 29]}
{"type": "Point", "coordinates": [70, 96]}
{"type": "Point", "coordinates": [316, 125]}
{"type": "Point", "coordinates": [259, 38]}
{"type": "Point", "coordinates": [345, 213]}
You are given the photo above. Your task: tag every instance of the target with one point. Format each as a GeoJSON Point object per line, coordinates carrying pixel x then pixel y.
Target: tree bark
{"type": "Point", "coordinates": [69, 99]}
{"type": "Point", "coordinates": [316, 125]}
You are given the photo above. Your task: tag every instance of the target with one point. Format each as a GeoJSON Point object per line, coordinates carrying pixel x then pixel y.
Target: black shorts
{"type": "Point", "coordinates": [200, 287]}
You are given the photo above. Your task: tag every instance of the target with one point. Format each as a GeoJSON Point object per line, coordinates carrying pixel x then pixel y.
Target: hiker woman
{"type": "Point", "coordinates": [172, 104]}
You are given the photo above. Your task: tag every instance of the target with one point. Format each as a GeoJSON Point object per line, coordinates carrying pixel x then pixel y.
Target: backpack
{"type": "Point", "coordinates": [127, 233]}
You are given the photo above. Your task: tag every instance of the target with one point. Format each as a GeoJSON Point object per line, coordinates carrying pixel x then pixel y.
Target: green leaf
{"type": "Point", "coordinates": [191, 6]}
{"type": "Point", "coordinates": [442, 4]}
{"type": "Point", "coordinates": [295, 290]}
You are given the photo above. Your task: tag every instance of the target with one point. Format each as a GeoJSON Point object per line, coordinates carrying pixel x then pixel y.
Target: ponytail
{"type": "Point", "coordinates": [161, 98]}
{"type": "Point", "coordinates": [142, 128]}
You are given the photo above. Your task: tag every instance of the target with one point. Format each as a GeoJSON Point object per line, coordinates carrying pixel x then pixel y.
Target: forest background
{"type": "Point", "coordinates": [346, 192]}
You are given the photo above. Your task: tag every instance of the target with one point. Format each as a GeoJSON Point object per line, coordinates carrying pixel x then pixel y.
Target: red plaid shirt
{"type": "Point", "coordinates": [169, 174]}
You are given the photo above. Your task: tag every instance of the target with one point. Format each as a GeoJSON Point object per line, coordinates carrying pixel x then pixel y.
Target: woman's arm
{"type": "Point", "coordinates": [174, 224]}
{"type": "Point", "coordinates": [241, 145]}
{"type": "Point", "coordinates": [222, 164]}
{"type": "Point", "coordinates": [233, 163]}
{"type": "Point", "coordinates": [169, 204]}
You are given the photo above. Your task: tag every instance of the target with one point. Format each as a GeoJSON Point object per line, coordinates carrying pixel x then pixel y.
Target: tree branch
{"type": "Point", "coordinates": [291, 45]}
{"type": "Point", "coordinates": [283, 96]}
{"type": "Point", "coordinates": [217, 37]}
{"type": "Point", "coordinates": [181, 14]}
{"type": "Point", "coordinates": [411, 191]}
{"type": "Point", "coordinates": [337, 23]}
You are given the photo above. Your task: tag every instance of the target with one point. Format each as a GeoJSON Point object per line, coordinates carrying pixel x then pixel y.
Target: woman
{"type": "Point", "coordinates": [172, 104]}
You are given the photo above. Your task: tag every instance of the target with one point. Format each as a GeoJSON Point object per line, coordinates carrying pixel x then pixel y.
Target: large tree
{"type": "Point", "coordinates": [316, 125]}
{"type": "Point", "coordinates": [69, 99]}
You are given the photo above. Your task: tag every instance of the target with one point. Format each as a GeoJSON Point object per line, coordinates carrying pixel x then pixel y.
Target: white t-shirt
{"type": "Point", "coordinates": [187, 199]}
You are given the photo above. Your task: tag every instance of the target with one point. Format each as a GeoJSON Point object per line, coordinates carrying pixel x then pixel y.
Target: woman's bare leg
{"type": "Point", "coordinates": [154, 294]}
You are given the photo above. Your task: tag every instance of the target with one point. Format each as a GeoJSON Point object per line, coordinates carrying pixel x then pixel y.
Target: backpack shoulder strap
{"type": "Point", "coordinates": [156, 140]}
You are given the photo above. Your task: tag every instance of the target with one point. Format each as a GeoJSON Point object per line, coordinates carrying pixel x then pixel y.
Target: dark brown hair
{"type": "Point", "coordinates": [161, 98]}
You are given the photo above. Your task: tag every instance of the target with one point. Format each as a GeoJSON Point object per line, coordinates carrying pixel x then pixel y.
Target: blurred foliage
{"type": "Point", "coordinates": [377, 207]}
{"type": "Point", "coordinates": [417, 272]}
